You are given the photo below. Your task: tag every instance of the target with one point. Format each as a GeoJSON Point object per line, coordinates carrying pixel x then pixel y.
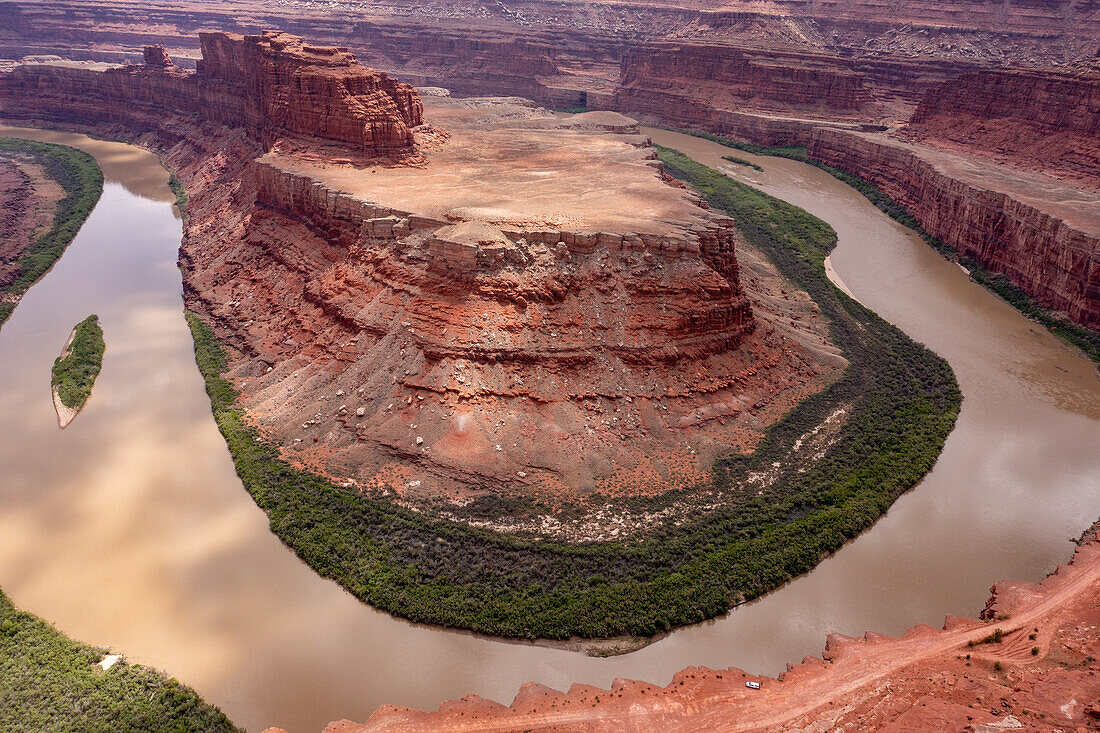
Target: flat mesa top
{"type": "Point", "coordinates": [505, 163]}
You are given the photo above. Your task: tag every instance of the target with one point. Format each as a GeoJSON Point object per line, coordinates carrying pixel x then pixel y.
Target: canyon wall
{"type": "Point", "coordinates": [1009, 225]}
{"type": "Point", "coordinates": [143, 99]}
{"type": "Point", "coordinates": [272, 86]}
{"type": "Point", "coordinates": [1014, 32]}
{"type": "Point", "coordinates": [535, 66]}
{"type": "Point", "coordinates": [834, 56]}
{"type": "Point", "coordinates": [1047, 119]}
{"type": "Point", "coordinates": [729, 77]}
{"type": "Point", "coordinates": [1053, 255]}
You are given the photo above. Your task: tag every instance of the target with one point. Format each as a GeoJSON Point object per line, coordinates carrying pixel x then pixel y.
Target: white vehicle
{"type": "Point", "coordinates": [753, 685]}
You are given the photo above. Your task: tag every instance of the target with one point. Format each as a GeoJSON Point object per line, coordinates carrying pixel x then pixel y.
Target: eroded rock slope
{"type": "Point", "coordinates": [495, 300]}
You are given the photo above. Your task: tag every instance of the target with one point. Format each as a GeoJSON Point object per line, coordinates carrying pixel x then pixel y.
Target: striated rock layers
{"type": "Point", "coordinates": [501, 300]}
{"type": "Point", "coordinates": [272, 86]}
{"type": "Point", "coordinates": [559, 52]}
{"type": "Point", "coordinates": [314, 91]}
{"type": "Point", "coordinates": [1044, 119]}
{"type": "Point", "coordinates": [534, 310]}
{"type": "Point", "coordinates": [1045, 237]}
{"type": "Point", "coordinates": [1040, 673]}
{"type": "Point", "coordinates": [729, 77]}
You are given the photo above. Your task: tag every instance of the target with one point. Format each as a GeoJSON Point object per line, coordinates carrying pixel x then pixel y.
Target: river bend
{"type": "Point", "coordinates": [130, 529]}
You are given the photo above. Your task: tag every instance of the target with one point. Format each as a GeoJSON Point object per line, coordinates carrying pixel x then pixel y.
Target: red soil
{"type": "Point", "coordinates": [17, 218]}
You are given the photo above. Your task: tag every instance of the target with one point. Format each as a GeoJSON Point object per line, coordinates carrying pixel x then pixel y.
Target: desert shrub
{"type": "Point", "coordinates": [49, 682]}
{"type": "Point", "coordinates": [75, 372]}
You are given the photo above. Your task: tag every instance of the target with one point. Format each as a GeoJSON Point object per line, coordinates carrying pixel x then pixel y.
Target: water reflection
{"type": "Point", "coordinates": [130, 529]}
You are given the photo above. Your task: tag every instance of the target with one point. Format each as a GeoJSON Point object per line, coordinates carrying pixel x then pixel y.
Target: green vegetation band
{"type": "Point", "coordinates": [1085, 339]}
{"type": "Point", "coordinates": [79, 175]}
{"type": "Point", "coordinates": [180, 192]}
{"type": "Point", "coordinates": [49, 682]}
{"type": "Point", "coordinates": [902, 401]}
{"type": "Point", "coordinates": [74, 375]}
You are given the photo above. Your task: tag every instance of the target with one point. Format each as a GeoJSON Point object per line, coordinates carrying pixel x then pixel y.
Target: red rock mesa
{"type": "Point", "coordinates": [499, 300]}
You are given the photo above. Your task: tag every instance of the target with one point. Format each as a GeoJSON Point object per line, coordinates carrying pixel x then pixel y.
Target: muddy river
{"type": "Point", "coordinates": [130, 530]}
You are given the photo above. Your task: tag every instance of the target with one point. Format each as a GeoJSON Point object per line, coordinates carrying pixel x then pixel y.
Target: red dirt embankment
{"type": "Point", "coordinates": [1040, 673]}
{"type": "Point", "coordinates": [18, 218]}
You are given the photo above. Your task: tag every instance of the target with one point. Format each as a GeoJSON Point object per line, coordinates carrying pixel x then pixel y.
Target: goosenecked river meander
{"type": "Point", "coordinates": [131, 530]}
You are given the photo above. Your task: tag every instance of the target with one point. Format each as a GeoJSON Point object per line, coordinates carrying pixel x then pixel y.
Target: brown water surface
{"type": "Point", "coordinates": [130, 529]}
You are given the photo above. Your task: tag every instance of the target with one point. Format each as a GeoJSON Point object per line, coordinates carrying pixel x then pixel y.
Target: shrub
{"type": "Point", "coordinates": [82, 180]}
{"type": "Point", "coordinates": [75, 372]}
{"type": "Point", "coordinates": [49, 682]}
{"type": "Point", "coordinates": [902, 400]}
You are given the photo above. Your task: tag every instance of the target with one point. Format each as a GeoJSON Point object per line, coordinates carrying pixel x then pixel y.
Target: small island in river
{"type": "Point", "coordinates": [75, 370]}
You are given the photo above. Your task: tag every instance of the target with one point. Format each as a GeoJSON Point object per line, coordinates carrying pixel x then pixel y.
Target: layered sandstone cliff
{"type": "Point", "coordinates": [559, 52]}
{"type": "Point", "coordinates": [966, 30]}
{"type": "Point", "coordinates": [749, 94]}
{"type": "Point", "coordinates": [315, 91]}
{"type": "Point", "coordinates": [1043, 119]}
{"type": "Point", "coordinates": [729, 77]}
{"type": "Point", "coordinates": [271, 86]}
{"type": "Point", "coordinates": [1044, 236]}
{"type": "Point", "coordinates": [531, 307]}
{"type": "Point", "coordinates": [536, 66]}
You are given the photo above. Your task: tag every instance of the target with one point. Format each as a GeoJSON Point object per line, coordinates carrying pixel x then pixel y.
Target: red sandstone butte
{"type": "Point", "coordinates": [500, 300]}
{"type": "Point", "coordinates": [534, 309]}
{"type": "Point", "coordinates": [272, 86]}
{"type": "Point", "coordinates": [315, 91]}
{"type": "Point", "coordinates": [1044, 675]}
{"type": "Point", "coordinates": [156, 55]}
